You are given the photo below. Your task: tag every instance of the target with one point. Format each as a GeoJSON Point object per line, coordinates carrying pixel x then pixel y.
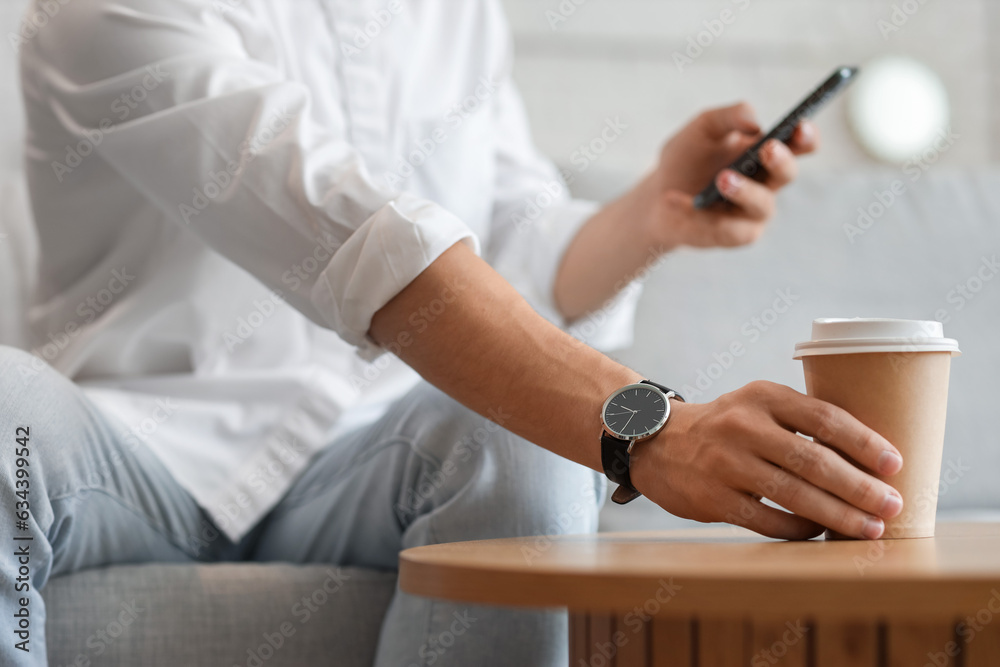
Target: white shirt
{"type": "Point", "coordinates": [226, 191]}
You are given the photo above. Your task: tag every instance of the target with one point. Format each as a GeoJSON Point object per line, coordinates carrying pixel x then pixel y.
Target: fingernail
{"type": "Point", "coordinates": [731, 182]}
{"type": "Point", "coordinates": [807, 131]}
{"type": "Point", "coordinates": [873, 529]}
{"type": "Point", "coordinates": [891, 506]}
{"type": "Point", "coordinates": [776, 148]}
{"type": "Point", "coordinates": [889, 463]}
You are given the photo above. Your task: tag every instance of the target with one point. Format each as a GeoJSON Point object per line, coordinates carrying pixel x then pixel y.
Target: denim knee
{"type": "Point", "coordinates": [18, 366]}
{"type": "Point", "coordinates": [43, 411]}
{"type": "Point", "coordinates": [489, 482]}
{"type": "Point", "coordinates": [544, 492]}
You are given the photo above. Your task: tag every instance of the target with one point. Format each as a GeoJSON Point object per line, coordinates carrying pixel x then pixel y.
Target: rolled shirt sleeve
{"type": "Point", "coordinates": [535, 219]}
{"type": "Point", "coordinates": [224, 144]}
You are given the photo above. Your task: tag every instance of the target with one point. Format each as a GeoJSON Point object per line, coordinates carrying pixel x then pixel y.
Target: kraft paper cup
{"type": "Point", "coordinates": [893, 376]}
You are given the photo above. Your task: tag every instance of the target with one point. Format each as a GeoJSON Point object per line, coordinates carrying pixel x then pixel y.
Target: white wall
{"type": "Point", "coordinates": [11, 113]}
{"type": "Point", "coordinates": [615, 58]}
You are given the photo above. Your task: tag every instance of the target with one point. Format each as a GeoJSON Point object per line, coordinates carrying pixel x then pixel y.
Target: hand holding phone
{"type": "Point", "coordinates": [749, 164]}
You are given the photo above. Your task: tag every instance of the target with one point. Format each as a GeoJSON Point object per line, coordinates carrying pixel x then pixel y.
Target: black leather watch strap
{"type": "Point", "coordinates": [615, 458]}
{"type": "Point", "coordinates": [665, 390]}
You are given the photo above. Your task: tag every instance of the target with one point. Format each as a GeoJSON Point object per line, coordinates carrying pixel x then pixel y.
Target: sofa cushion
{"type": "Point", "coordinates": [250, 615]}
{"type": "Point", "coordinates": [866, 243]}
{"type": "Point", "coordinates": [18, 259]}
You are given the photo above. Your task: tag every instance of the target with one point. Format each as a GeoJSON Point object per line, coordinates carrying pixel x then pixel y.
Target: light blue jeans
{"type": "Point", "coordinates": [411, 479]}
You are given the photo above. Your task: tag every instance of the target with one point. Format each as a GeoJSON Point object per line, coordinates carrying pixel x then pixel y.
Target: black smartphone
{"type": "Point", "coordinates": [749, 164]}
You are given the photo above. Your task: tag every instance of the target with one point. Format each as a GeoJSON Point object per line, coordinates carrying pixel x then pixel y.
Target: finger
{"type": "Point", "coordinates": [780, 163]}
{"type": "Point", "coordinates": [806, 139]}
{"type": "Point", "coordinates": [755, 200]}
{"type": "Point", "coordinates": [717, 123]}
{"type": "Point", "coordinates": [743, 509]}
{"type": "Point", "coordinates": [723, 226]}
{"type": "Point", "coordinates": [837, 428]}
{"type": "Point", "coordinates": [808, 501]}
{"type": "Point", "coordinates": [828, 470]}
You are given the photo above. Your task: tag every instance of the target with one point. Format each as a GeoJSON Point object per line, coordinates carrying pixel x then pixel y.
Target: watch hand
{"type": "Point", "coordinates": [629, 419]}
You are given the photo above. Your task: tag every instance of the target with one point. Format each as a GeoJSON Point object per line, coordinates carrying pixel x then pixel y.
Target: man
{"type": "Point", "coordinates": [234, 197]}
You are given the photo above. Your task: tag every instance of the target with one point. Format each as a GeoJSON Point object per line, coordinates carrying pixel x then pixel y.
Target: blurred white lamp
{"type": "Point", "coordinates": [898, 108]}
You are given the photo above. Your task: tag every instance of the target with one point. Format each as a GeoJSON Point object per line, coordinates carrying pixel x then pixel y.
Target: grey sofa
{"type": "Point", "coordinates": [930, 253]}
{"type": "Point", "coordinates": [906, 264]}
{"type": "Point", "coordinates": [195, 616]}
{"type": "Point", "coordinates": [216, 616]}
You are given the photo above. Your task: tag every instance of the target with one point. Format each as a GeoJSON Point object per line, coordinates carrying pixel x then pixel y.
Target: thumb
{"type": "Point", "coordinates": [706, 228]}
{"type": "Point", "coordinates": [717, 123]}
{"type": "Point", "coordinates": [690, 226]}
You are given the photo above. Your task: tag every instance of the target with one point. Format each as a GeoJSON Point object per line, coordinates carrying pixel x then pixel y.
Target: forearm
{"type": "Point", "coordinates": [489, 350]}
{"type": "Point", "coordinates": [607, 252]}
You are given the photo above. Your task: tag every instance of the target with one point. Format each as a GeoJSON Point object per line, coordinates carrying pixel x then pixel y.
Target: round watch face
{"type": "Point", "coordinates": [635, 411]}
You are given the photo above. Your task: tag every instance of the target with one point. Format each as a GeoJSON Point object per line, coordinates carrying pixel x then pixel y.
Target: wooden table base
{"type": "Point", "coordinates": [603, 640]}
{"type": "Point", "coordinates": [724, 597]}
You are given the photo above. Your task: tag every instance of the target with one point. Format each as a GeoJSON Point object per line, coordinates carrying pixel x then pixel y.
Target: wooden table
{"type": "Point", "coordinates": [724, 596]}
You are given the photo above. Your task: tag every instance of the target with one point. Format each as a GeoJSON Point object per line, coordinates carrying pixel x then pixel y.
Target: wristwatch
{"type": "Point", "coordinates": [632, 414]}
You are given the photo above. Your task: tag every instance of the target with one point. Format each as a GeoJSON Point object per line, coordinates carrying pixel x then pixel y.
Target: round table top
{"type": "Point", "coordinates": [720, 571]}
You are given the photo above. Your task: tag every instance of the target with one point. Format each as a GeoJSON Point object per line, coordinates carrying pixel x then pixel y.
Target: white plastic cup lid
{"type": "Point", "coordinates": [860, 335]}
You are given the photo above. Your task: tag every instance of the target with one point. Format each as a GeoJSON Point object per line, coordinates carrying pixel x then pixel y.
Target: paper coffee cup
{"type": "Point", "coordinates": [893, 376]}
